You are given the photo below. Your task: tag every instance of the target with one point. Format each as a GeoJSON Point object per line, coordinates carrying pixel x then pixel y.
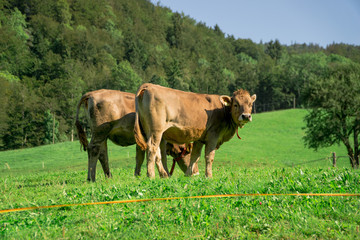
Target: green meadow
{"type": "Point", "coordinates": [273, 139]}
{"type": "Point", "coordinates": [270, 158]}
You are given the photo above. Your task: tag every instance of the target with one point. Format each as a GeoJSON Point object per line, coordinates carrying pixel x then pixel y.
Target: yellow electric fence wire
{"type": "Point", "coordinates": [190, 197]}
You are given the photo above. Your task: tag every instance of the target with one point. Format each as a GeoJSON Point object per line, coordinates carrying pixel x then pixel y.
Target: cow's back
{"type": "Point", "coordinates": [112, 111]}
{"type": "Point", "coordinates": [108, 105]}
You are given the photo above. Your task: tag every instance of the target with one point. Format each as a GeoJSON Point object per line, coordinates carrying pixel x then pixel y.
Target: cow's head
{"type": "Point", "coordinates": [175, 150]}
{"type": "Point", "coordinates": [241, 105]}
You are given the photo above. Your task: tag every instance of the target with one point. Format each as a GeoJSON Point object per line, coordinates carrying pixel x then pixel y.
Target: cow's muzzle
{"type": "Point", "coordinates": [245, 117]}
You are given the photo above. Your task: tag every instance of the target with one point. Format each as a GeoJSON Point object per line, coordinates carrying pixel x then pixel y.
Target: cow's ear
{"type": "Point", "coordinates": [226, 100]}
{"type": "Point", "coordinates": [253, 97]}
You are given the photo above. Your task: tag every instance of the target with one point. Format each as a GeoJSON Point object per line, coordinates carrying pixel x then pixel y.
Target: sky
{"type": "Point", "coordinates": [321, 22]}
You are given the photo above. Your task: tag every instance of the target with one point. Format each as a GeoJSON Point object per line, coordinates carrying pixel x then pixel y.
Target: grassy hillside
{"type": "Point", "coordinates": [272, 139]}
{"type": "Point", "coordinates": [255, 164]}
{"type": "Point", "coordinates": [275, 139]}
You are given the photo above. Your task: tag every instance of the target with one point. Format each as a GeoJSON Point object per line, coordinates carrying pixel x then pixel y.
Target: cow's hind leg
{"type": "Point", "coordinates": [140, 154]}
{"type": "Point", "coordinates": [159, 164]}
{"type": "Point", "coordinates": [96, 147]}
{"type": "Point", "coordinates": [93, 155]}
{"type": "Point", "coordinates": [195, 155]}
{"type": "Point", "coordinates": [104, 159]}
{"type": "Point", "coordinates": [154, 156]}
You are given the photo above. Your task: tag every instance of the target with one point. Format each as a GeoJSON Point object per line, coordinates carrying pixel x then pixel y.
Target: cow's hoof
{"type": "Point", "coordinates": [188, 173]}
{"type": "Point", "coordinates": [151, 176]}
{"type": "Point", "coordinates": [164, 175]}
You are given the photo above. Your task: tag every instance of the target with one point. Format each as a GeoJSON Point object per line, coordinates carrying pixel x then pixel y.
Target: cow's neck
{"type": "Point", "coordinates": [228, 127]}
{"type": "Point", "coordinates": [232, 126]}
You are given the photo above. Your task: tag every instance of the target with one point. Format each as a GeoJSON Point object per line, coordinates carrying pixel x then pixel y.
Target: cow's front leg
{"type": "Point", "coordinates": [140, 154]}
{"type": "Point", "coordinates": [195, 155]}
{"type": "Point", "coordinates": [209, 158]}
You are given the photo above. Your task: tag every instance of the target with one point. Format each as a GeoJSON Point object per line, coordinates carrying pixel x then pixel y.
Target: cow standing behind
{"type": "Point", "coordinates": [111, 115]}
{"type": "Point", "coordinates": [183, 117]}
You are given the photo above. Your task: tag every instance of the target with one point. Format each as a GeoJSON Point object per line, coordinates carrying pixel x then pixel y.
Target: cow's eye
{"type": "Point", "coordinates": [235, 105]}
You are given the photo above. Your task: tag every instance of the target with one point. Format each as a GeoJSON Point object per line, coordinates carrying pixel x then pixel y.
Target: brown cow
{"type": "Point", "coordinates": [183, 117]}
{"type": "Point", "coordinates": [111, 115]}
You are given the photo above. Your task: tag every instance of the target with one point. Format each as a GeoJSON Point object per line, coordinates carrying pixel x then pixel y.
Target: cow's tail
{"type": "Point", "coordinates": [79, 128]}
{"type": "Point", "coordinates": [139, 136]}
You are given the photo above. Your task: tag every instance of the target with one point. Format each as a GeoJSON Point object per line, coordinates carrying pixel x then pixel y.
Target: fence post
{"type": "Point", "coordinates": [334, 159]}
{"type": "Point", "coordinates": [53, 133]}
{"type": "Point", "coordinates": [294, 102]}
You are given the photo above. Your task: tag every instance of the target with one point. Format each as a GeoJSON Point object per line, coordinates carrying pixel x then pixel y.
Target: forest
{"type": "Point", "coordinates": [53, 51]}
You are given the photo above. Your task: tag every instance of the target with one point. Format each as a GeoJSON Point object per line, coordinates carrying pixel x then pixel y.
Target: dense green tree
{"type": "Point", "coordinates": [335, 114]}
{"type": "Point", "coordinates": [175, 77]}
{"type": "Point", "coordinates": [350, 51]}
{"type": "Point", "coordinates": [17, 22]}
{"type": "Point", "coordinates": [218, 31]}
{"type": "Point", "coordinates": [136, 52]}
{"type": "Point", "coordinates": [125, 78]}
{"type": "Point", "coordinates": [247, 76]}
{"type": "Point", "coordinates": [159, 81]}
{"type": "Point", "coordinates": [274, 49]}
{"type": "Point", "coordinates": [266, 90]}
{"type": "Point", "coordinates": [14, 52]}
{"type": "Point", "coordinates": [63, 14]}
{"type": "Point", "coordinates": [303, 48]}
{"type": "Point", "coordinates": [174, 33]}
{"type": "Point", "coordinates": [51, 126]}
{"type": "Point", "coordinates": [24, 121]}
{"type": "Point", "coordinates": [298, 70]}
{"type": "Point", "coordinates": [6, 80]}
{"type": "Point", "coordinates": [248, 47]}
{"type": "Point", "coordinates": [199, 81]}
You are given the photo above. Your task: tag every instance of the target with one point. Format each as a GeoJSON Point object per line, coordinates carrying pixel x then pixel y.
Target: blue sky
{"type": "Point", "coordinates": [290, 21]}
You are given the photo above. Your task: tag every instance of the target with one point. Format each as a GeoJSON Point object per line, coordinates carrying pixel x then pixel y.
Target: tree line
{"type": "Point", "coordinates": [53, 51]}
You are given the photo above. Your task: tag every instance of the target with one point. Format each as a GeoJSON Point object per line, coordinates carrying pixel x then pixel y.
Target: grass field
{"type": "Point", "coordinates": [270, 158]}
